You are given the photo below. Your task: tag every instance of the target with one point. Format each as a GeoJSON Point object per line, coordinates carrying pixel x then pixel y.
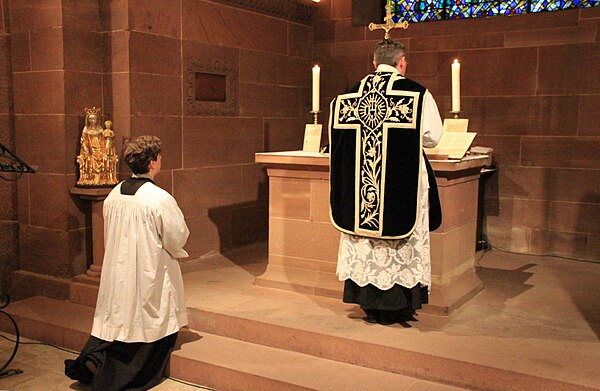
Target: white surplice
{"type": "Point", "coordinates": [141, 296]}
{"type": "Point", "coordinates": [406, 262]}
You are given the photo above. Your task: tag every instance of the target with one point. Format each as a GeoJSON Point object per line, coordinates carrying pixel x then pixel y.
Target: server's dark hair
{"type": "Point", "coordinates": [140, 152]}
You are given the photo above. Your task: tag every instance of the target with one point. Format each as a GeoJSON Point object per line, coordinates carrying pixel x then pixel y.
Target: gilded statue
{"type": "Point", "coordinates": [97, 157]}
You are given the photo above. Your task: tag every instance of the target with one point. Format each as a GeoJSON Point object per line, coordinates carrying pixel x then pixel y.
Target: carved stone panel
{"type": "Point", "coordinates": [212, 86]}
{"type": "Point", "coordinates": [293, 10]}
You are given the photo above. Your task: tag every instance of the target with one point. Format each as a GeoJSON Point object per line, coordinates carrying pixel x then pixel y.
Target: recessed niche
{"type": "Point", "coordinates": [212, 86]}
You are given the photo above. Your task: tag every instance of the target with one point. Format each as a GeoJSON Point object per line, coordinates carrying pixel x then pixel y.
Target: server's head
{"type": "Point", "coordinates": [143, 154]}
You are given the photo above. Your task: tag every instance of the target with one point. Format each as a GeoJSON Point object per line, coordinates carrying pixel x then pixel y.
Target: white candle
{"type": "Point", "coordinates": [316, 73]}
{"type": "Point", "coordinates": [456, 86]}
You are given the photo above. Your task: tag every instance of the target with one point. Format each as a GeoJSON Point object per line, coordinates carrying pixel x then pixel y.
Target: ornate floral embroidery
{"type": "Point", "coordinates": [384, 263]}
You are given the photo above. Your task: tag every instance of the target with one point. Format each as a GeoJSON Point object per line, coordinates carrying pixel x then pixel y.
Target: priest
{"type": "Point", "coordinates": [383, 193]}
{"type": "Point", "coordinates": [141, 303]}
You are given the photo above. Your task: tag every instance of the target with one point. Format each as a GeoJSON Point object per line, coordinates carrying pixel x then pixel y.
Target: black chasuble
{"type": "Point", "coordinates": [375, 139]}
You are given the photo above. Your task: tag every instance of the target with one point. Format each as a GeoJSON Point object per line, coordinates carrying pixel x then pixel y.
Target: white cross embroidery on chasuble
{"type": "Point", "coordinates": [372, 112]}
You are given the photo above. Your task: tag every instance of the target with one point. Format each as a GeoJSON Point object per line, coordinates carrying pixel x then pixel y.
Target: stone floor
{"type": "Point", "coordinates": [537, 316]}
{"type": "Point", "coordinates": [537, 322]}
{"type": "Point", "coordinates": [43, 369]}
{"type": "Point", "coordinates": [39, 367]}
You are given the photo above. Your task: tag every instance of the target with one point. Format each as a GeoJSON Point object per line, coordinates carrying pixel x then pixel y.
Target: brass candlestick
{"type": "Point", "coordinates": [455, 114]}
{"type": "Point", "coordinates": [315, 114]}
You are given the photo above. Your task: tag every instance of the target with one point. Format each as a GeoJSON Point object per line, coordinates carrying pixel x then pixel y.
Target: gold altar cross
{"type": "Point", "coordinates": [388, 25]}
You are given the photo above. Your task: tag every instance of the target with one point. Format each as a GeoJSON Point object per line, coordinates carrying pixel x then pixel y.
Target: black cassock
{"type": "Point", "coordinates": [133, 366]}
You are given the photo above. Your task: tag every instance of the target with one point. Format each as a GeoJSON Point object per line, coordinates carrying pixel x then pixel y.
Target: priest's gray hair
{"type": "Point", "coordinates": [139, 152]}
{"type": "Point", "coordinates": [388, 52]}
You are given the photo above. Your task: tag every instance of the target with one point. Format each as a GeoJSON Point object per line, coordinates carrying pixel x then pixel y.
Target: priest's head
{"type": "Point", "coordinates": [142, 155]}
{"type": "Point", "coordinates": [390, 52]}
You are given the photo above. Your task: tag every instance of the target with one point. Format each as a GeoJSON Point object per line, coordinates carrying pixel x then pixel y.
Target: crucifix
{"type": "Point", "coordinates": [388, 25]}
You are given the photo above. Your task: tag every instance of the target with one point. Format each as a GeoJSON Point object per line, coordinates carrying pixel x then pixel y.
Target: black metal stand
{"type": "Point", "coordinates": [9, 162]}
{"type": "Point", "coordinates": [3, 371]}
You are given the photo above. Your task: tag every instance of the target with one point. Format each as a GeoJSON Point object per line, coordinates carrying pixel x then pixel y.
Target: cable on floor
{"type": "Point", "coordinates": [5, 300]}
{"type": "Point", "coordinates": [487, 246]}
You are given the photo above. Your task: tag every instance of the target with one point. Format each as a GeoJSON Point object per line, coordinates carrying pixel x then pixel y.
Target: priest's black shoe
{"type": "Point", "coordinates": [387, 318]}
{"type": "Point", "coordinates": [371, 316]}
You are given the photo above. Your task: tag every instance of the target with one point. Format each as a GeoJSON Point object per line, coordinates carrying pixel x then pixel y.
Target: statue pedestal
{"type": "Point", "coordinates": [303, 244]}
{"type": "Point", "coordinates": [84, 289]}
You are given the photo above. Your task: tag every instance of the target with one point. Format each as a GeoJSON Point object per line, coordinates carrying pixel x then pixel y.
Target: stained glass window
{"type": "Point", "coordinates": [426, 10]}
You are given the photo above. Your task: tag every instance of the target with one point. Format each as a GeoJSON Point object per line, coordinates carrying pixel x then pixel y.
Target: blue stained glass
{"type": "Point", "coordinates": [472, 8]}
{"type": "Point", "coordinates": [512, 7]}
{"type": "Point", "coordinates": [428, 10]}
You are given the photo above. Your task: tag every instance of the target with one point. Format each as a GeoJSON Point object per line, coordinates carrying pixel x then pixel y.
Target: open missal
{"type": "Point", "coordinates": [455, 141]}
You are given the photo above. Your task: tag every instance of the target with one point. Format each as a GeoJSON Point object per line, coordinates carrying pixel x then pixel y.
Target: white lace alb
{"type": "Point", "coordinates": [382, 262]}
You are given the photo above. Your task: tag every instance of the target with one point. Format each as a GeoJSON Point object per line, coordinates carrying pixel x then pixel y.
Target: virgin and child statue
{"type": "Point", "coordinates": [97, 157]}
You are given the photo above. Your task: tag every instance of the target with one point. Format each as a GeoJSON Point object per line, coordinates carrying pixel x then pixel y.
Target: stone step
{"type": "Point", "coordinates": [57, 322]}
{"type": "Point", "coordinates": [380, 357]}
{"type": "Point", "coordinates": [212, 360]}
{"type": "Point", "coordinates": [223, 350]}
{"type": "Point", "coordinates": [229, 364]}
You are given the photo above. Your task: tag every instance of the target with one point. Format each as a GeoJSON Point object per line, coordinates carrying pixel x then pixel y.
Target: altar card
{"type": "Point", "coordinates": [456, 124]}
{"type": "Point", "coordinates": [453, 144]}
{"type": "Point", "coordinates": [312, 138]}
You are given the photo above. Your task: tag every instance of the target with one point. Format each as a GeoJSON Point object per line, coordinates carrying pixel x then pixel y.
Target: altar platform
{"type": "Point", "coordinates": [303, 244]}
{"type": "Point", "coordinates": [536, 326]}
